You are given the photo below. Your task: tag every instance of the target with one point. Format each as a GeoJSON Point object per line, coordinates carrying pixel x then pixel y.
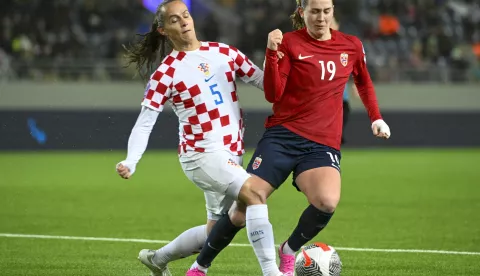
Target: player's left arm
{"type": "Point", "coordinates": [245, 69]}
{"type": "Point", "coordinates": [366, 91]}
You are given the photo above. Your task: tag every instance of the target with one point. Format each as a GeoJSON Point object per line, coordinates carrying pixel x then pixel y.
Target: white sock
{"type": "Point", "coordinates": [186, 244]}
{"type": "Point", "coordinates": [287, 250]}
{"type": "Point", "coordinates": [201, 268]}
{"type": "Point", "coordinates": [260, 235]}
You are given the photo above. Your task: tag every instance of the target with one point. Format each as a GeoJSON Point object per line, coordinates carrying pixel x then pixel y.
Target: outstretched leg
{"type": "Point", "coordinates": [186, 244]}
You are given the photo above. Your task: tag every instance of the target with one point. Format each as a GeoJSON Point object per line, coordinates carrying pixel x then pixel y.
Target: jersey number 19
{"type": "Point", "coordinates": [331, 68]}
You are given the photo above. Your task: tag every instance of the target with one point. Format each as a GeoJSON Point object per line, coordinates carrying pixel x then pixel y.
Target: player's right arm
{"type": "Point", "coordinates": [138, 141]}
{"type": "Point", "coordinates": [276, 72]}
{"type": "Point", "coordinates": [157, 93]}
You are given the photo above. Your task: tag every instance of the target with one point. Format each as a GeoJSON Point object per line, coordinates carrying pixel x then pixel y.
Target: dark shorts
{"type": "Point", "coordinates": [280, 152]}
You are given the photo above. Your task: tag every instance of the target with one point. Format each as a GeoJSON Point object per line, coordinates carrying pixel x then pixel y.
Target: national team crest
{"type": "Point", "coordinates": [257, 162]}
{"type": "Point", "coordinates": [344, 59]}
{"type": "Point", "coordinates": [205, 68]}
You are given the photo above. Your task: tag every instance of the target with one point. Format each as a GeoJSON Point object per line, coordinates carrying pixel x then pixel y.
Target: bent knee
{"type": "Point", "coordinates": [238, 219]}
{"type": "Point", "coordinates": [326, 204]}
{"type": "Point", "coordinates": [209, 226]}
{"type": "Point", "coordinates": [252, 193]}
{"type": "Point", "coordinates": [250, 196]}
{"type": "Point", "coordinates": [237, 214]}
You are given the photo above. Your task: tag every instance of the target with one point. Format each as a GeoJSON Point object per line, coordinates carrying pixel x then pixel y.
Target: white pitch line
{"type": "Point", "coordinates": [446, 252]}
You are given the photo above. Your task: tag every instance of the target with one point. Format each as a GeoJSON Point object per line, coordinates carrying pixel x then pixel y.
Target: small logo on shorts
{"type": "Point", "coordinates": [233, 163]}
{"type": "Point", "coordinates": [256, 163]}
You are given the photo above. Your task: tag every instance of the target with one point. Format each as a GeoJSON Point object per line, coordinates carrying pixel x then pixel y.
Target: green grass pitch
{"type": "Point", "coordinates": [391, 199]}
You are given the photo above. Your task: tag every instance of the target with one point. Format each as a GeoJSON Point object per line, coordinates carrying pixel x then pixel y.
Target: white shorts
{"type": "Point", "coordinates": [220, 175]}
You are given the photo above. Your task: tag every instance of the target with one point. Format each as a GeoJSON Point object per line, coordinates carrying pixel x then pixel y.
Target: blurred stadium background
{"type": "Point", "coordinates": [67, 107]}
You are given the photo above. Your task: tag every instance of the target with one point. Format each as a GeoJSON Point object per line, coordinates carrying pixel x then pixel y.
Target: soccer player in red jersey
{"type": "Point", "coordinates": [303, 135]}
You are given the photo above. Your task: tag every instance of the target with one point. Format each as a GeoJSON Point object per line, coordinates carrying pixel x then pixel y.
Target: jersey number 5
{"type": "Point", "coordinates": [331, 68]}
{"type": "Point", "coordinates": [216, 93]}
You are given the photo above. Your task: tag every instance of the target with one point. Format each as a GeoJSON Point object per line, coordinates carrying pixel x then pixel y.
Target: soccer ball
{"type": "Point", "coordinates": [318, 259]}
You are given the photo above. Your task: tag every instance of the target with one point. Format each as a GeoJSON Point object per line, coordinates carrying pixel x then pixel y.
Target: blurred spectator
{"type": "Point", "coordinates": [388, 25]}
{"type": "Point", "coordinates": [5, 69]}
{"type": "Point", "coordinates": [211, 30]}
{"type": "Point", "coordinates": [413, 40]}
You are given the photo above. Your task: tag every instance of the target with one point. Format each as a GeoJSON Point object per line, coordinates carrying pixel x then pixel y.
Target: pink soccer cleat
{"type": "Point", "coordinates": [287, 262]}
{"type": "Point", "coordinates": [196, 272]}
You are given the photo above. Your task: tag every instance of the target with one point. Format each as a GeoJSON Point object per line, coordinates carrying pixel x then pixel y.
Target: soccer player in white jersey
{"type": "Point", "coordinates": [198, 80]}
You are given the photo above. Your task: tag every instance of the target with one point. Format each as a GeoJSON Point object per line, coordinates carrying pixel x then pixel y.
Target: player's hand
{"type": "Point", "coordinates": [125, 170]}
{"type": "Point", "coordinates": [381, 129]}
{"type": "Point", "coordinates": [274, 39]}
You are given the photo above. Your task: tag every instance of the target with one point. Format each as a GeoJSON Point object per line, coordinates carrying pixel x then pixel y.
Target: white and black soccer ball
{"type": "Point", "coordinates": [318, 259]}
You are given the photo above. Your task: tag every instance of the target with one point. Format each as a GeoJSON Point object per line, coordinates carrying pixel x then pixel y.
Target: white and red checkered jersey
{"type": "Point", "coordinates": [200, 86]}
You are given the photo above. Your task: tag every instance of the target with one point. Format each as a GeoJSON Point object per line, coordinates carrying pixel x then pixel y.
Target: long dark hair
{"type": "Point", "coordinates": [297, 20]}
{"type": "Point", "coordinates": [151, 47]}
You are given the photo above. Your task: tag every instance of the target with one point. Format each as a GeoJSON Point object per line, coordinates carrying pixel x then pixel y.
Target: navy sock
{"type": "Point", "coordinates": [221, 235]}
{"type": "Point", "coordinates": [310, 224]}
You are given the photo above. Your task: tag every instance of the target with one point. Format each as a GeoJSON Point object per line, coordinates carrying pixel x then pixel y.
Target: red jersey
{"type": "Point", "coordinates": [306, 86]}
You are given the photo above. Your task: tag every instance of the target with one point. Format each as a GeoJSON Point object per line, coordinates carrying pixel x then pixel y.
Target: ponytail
{"type": "Point", "coordinates": [152, 47]}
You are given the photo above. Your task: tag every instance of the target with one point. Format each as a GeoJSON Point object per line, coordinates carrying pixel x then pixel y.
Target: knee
{"type": "Point", "coordinates": [326, 204]}
{"type": "Point", "coordinates": [251, 194]}
{"type": "Point", "coordinates": [210, 224]}
{"type": "Point", "coordinates": [237, 214]}
{"type": "Point", "coordinates": [237, 218]}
